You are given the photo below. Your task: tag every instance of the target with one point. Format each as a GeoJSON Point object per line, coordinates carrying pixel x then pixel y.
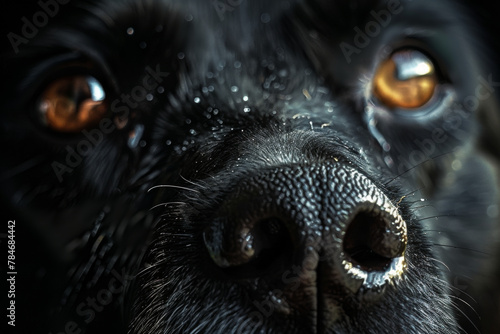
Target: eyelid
{"type": "Point", "coordinates": [68, 62]}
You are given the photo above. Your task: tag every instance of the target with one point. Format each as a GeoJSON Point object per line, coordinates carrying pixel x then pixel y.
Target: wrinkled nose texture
{"type": "Point", "coordinates": [318, 234]}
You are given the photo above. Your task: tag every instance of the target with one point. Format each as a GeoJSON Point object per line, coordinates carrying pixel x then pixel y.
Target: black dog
{"type": "Point", "coordinates": [242, 166]}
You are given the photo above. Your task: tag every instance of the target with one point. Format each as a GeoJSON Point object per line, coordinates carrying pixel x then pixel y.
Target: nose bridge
{"type": "Point", "coordinates": [313, 201]}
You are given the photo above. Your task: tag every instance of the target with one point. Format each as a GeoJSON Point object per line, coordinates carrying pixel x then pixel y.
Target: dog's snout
{"type": "Point", "coordinates": [329, 222]}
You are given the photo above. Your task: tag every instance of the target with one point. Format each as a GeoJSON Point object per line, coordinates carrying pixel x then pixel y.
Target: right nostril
{"type": "Point", "coordinates": [369, 242]}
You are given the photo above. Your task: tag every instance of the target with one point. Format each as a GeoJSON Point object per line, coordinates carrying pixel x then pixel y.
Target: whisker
{"type": "Point", "coordinates": [416, 201]}
{"type": "Point", "coordinates": [463, 313]}
{"type": "Point", "coordinates": [193, 183]}
{"type": "Point", "coordinates": [440, 262]}
{"type": "Point", "coordinates": [167, 203]}
{"type": "Point", "coordinates": [150, 267]}
{"type": "Point", "coordinates": [417, 165]}
{"type": "Point", "coordinates": [412, 193]}
{"type": "Point", "coordinates": [465, 293]}
{"type": "Point", "coordinates": [172, 186]}
{"type": "Point", "coordinates": [454, 288]}
{"type": "Point", "coordinates": [437, 216]}
{"type": "Point", "coordinates": [423, 206]}
{"type": "Point", "coordinates": [463, 248]}
{"type": "Point", "coordinates": [399, 199]}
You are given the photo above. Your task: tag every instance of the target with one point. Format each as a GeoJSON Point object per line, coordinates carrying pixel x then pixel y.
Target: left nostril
{"type": "Point", "coordinates": [371, 243]}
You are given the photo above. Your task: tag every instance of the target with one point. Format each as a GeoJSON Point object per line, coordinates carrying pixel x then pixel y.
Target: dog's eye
{"type": "Point", "coordinates": [405, 80]}
{"type": "Point", "coordinates": [73, 103]}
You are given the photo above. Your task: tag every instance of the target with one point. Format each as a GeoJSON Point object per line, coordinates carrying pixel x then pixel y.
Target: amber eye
{"type": "Point", "coordinates": [73, 103]}
{"type": "Point", "coordinates": [405, 80]}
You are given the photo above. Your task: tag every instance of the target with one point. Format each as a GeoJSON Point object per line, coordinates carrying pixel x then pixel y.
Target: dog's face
{"type": "Point", "coordinates": [250, 167]}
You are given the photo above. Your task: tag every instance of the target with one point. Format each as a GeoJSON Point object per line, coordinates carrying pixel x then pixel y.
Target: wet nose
{"type": "Point", "coordinates": [332, 218]}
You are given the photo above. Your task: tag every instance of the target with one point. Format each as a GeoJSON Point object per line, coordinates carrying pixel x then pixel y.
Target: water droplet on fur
{"type": "Point", "coordinates": [456, 165]}
{"type": "Point", "coordinates": [196, 100]}
{"type": "Point", "coordinates": [180, 55]}
{"type": "Point", "coordinates": [265, 18]}
{"type": "Point", "coordinates": [492, 211]}
{"type": "Point", "coordinates": [130, 31]}
{"type": "Point", "coordinates": [234, 89]}
{"type": "Point", "coordinates": [388, 161]}
{"type": "Point", "coordinates": [283, 73]}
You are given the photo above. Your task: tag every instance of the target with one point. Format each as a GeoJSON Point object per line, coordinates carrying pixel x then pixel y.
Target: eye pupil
{"type": "Point", "coordinates": [72, 104]}
{"type": "Point", "coordinates": [406, 80]}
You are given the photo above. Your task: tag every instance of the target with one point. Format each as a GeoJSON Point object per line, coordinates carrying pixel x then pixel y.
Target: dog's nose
{"type": "Point", "coordinates": [329, 225]}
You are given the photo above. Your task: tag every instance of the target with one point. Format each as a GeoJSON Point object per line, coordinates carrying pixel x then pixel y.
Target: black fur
{"type": "Point", "coordinates": [244, 92]}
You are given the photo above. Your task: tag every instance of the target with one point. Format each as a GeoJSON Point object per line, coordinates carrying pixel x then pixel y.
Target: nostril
{"type": "Point", "coordinates": [248, 247]}
{"type": "Point", "coordinates": [370, 243]}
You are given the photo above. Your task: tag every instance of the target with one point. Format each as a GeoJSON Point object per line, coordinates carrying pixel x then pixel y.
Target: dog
{"type": "Point", "coordinates": [239, 166]}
